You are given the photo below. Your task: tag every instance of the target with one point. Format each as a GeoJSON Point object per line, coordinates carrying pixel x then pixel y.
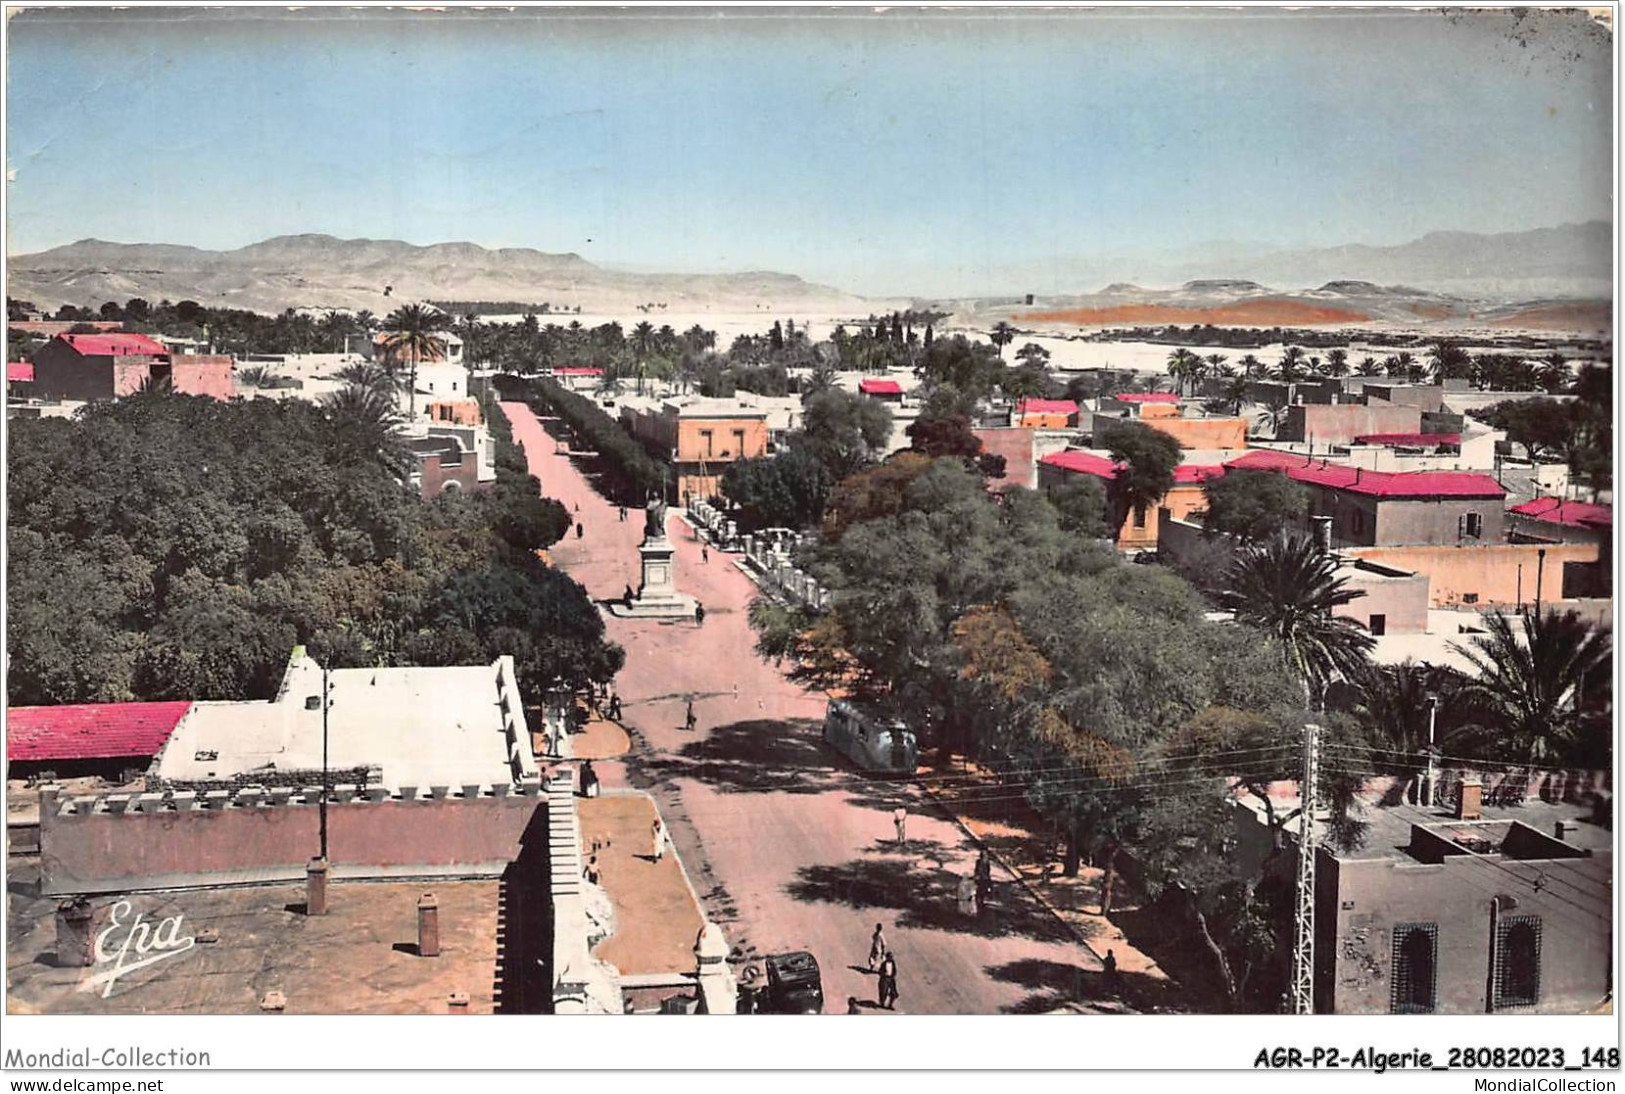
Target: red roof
{"type": "Point", "coordinates": [1149, 397]}
{"type": "Point", "coordinates": [578, 372]}
{"type": "Point", "coordinates": [19, 370]}
{"type": "Point", "coordinates": [1379, 484]}
{"type": "Point", "coordinates": [1084, 462]}
{"type": "Point", "coordinates": [91, 731]}
{"type": "Point", "coordinates": [1088, 463]}
{"type": "Point", "coordinates": [1196, 472]}
{"type": "Point", "coordinates": [1575, 514]}
{"type": "Point", "coordinates": [1047, 406]}
{"type": "Point", "coordinates": [1417, 440]}
{"type": "Point", "coordinates": [113, 345]}
{"type": "Point", "coordinates": [880, 387]}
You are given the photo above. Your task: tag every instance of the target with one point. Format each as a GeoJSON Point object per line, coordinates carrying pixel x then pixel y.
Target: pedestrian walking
{"type": "Point", "coordinates": [899, 818]}
{"type": "Point", "coordinates": [658, 833]}
{"type": "Point", "coordinates": [705, 553]}
{"type": "Point", "coordinates": [877, 947]}
{"type": "Point", "coordinates": [623, 514]}
{"type": "Point", "coordinates": [699, 612]}
{"type": "Point", "coordinates": [579, 530]}
{"type": "Point", "coordinates": [615, 708]}
{"type": "Point", "coordinates": [626, 597]}
{"type": "Point", "coordinates": [984, 878]}
{"type": "Point", "coordinates": [736, 691]}
{"type": "Point", "coordinates": [589, 780]}
{"type": "Point", "coordinates": [691, 719]}
{"type": "Point", "coordinates": [578, 507]}
{"type": "Point", "coordinates": [965, 894]}
{"type": "Point", "coordinates": [1108, 967]}
{"type": "Point", "coordinates": [887, 995]}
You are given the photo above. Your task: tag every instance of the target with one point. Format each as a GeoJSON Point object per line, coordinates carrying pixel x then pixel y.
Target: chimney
{"type": "Point", "coordinates": [1323, 533]}
{"type": "Point", "coordinates": [316, 887]}
{"type": "Point", "coordinates": [73, 944]}
{"type": "Point", "coordinates": [428, 926]}
{"type": "Point", "coordinates": [1470, 800]}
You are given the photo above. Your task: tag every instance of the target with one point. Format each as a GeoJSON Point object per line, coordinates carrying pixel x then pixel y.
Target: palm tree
{"type": "Point", "coordinates": [1291, 367]}
{"type": "Point", "coordinates": [412, 329]}
{"type": "Point", "coordinates": [643, 344]}
{"type": "Point", "coordinates": [1547, 692]}
{"type": "Point", "coordinates": [1407, 707]}
{"type": "Point", "coordinates": [1337, 362]}
{"type": "Point", "coordinates": [1217, 364]}
{"type": "Point", "coordinates": [1554, 372]}
{"type": "Point", "coordinates": [1369, 367]}
{"type": "Point", "coordinates": [367, 427]}
{"type": "Point", "coordinates": [1252, 367]}
{"type": "Point", "coordinates": [1449, 361]}
{"type": "Point", "coordinates": [1183, 366]}
{"type": "Point", "coordinates": [1002, 335]}
{"type": "Point", "coordinates": [1289, 588]}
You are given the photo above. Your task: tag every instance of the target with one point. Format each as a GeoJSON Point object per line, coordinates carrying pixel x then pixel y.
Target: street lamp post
{"type": "Point", "coordinates": [1433, 714]}
{"type": "Point", "coordinates": [326, 778]}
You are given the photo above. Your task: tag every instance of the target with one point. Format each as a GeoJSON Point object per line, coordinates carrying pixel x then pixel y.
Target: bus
{"type": "Point", "coordinates": [870, 739]}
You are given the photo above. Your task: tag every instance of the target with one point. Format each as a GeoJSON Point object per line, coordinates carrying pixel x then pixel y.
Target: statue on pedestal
{"type": "Point", "coordinates": [654, 520]}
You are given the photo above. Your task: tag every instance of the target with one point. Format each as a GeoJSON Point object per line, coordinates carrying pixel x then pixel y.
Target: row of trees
{"type": "Point", "coordinates": [1117, 711]}
{"type": "Point", "coordinates": [1580, 431]}
{"type": "Point", "coordinates": [165, 546]}
{"type": "Point", "coordinates": [625, 469]}
{"type": "Point", "coordinates": [1445, 360]}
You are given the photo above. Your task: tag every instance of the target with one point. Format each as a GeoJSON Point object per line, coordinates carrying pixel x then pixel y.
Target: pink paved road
{"type": "Point", "coordinates": [789, 847]}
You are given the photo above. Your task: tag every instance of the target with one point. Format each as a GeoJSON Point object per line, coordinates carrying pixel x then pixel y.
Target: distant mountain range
{"type": "Point", "coordinates": [1569, 261]}
{"type": "Point", "coordinates": [1548, 278]}
{"type": "Point", "coordinates": [321, 271]}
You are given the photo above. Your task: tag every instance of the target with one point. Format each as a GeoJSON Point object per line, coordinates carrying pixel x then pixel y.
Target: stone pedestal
{"type": "Point", "coordinates": [718, 993]}
{"type": "Point", "coordinates": [657, 596]}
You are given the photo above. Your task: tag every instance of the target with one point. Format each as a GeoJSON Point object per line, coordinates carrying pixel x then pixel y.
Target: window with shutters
{"type": "Point", "coordinates": [1415, 968]}
{"type": "Point", "coordinates": [1517, 961]}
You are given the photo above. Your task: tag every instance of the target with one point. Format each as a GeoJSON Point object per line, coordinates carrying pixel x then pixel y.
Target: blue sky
{"type": "Point", "coordinates": [884, 153]}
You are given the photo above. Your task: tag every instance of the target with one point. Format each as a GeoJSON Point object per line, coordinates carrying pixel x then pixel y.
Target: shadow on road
{"type": "Point", "coordinates": [1056, 984]}
{"type": "Point", "coordinates": [925, 899]}
{"type": "Point", "coordinates": [756, 755]}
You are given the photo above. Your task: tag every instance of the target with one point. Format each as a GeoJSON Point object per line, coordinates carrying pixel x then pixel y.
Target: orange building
{"type": "Point", "coordinates": [1046, 414]}
{"type": "Point", "coordinates": [1205, 434]}
{"type": "Point", "coordinates": [455, 412]}
{"type": "Point", "coordinates": [1139, 531]}
{"type": "Point", "coordinates": [702, 436]}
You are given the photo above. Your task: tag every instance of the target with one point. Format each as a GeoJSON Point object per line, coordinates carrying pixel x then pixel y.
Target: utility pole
{"type": "Point", "coordinates": [326, 778]}
{"type": "Point", "coordinates": [1303, 945]}
{"type": "Point", "coordinates": [1433, 717]}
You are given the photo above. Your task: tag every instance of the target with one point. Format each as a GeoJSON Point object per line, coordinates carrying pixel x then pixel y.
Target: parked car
{"type": "Point", "coordinates": [794, 984]}
{"type": "Point", "coordinates": [870, 739]}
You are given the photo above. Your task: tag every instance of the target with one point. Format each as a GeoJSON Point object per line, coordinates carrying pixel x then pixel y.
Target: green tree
{"type": "Point", "coordinates": [845, 432]}
{"type": "Point", "coordinates": [1001, 335]}
{"type": "Point", "coordinates": [412, 331]}
{"type": "Point", "coordinates": [1146, 460]}
{"type": "Point", "coordinates": [789, 489]}
{"type": "Point", "coordinates": [1288, 588]}
{"type": "Point", "coordinates": [1253, 505]}
{"type": "Point", "coordinates": [1543, 686]}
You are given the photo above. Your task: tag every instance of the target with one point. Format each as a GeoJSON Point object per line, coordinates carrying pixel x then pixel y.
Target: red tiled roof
{"type": "Point", "coordinates": [1379, 484]}
{"type": "Point", "coordinates": [1047, 406]}
{"type": "Point", "coordinates": [1196, 472]}
{"type": "Point", "coordinates": [1575, 514]}
{"type": "Point", "coordinates": [1149, 397]}
{"type": "Point", "coordinates": [578, 372]}
{"type": "Point", "coordinates": [880, 387]}
{"type": "Point", "coordinates": [91, 731]}
{"type": "Point", "coordinates": [112, 345]}
{"type": "Point", "coordinates": [1084, 462]}
{"type": "Point", "coordinates": [19, 370]}
{"type": "Point", "coordinates": [1420, 440]}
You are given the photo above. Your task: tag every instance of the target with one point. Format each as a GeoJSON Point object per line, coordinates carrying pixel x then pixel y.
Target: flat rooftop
{"type": "Point", "coordinates": [360, 958]}
{"type": "Point", "coordinates": [448, 726]}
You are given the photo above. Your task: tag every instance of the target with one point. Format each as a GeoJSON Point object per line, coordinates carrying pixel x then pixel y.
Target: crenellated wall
{"type": "Point", "coordinates": [182, 839]}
